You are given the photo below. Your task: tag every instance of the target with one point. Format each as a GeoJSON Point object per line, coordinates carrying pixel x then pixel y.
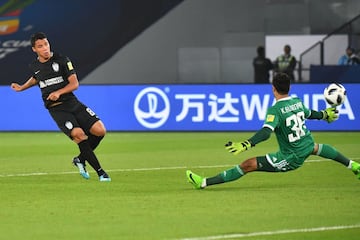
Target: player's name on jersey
{"type": "Point", "coordinates": [291, 108]}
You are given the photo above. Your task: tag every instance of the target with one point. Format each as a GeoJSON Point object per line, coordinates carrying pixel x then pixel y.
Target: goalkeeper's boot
{"type": "Point", "coordinates": [104, 178]}
{"type": "Point", "coordinates": [194, 179]}
{"type": "Point", "coordinates": [355, 167]}
{"type": "Point", "coordinates": [81, 167]}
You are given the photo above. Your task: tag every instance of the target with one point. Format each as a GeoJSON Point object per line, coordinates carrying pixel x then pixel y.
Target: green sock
{"type": "Point", "coordinates": [330, 152]}
{"type": "Point", "coordinates": [226, 176]}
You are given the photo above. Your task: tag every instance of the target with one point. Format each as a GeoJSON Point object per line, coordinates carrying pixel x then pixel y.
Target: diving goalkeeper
{"type": "Point", "coordinates": [287, 119]}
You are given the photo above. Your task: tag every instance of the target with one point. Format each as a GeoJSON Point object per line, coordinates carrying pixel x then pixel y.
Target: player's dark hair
{"type": "Point", "coordinates": [260, 51]}
{"type": "Point", "coordinates": [36, 36]}
{"type": "Point", "coordinates": [281, 82]}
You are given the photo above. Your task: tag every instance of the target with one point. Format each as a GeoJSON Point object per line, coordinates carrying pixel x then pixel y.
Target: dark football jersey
{"type": "Point", "coordinates": [53, 75]}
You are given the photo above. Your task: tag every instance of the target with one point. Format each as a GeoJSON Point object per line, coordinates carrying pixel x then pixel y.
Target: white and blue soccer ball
{"type": "Point", "coordinates": [335, 94]}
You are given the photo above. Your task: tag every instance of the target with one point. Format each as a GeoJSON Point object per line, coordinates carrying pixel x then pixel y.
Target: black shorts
{"type": "Point", "coordinates": [73, 114]}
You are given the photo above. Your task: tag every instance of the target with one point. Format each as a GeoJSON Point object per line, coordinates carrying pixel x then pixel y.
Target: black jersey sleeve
{"type": "Point", "coordinates": [68, 67]}
{"type": "Point", "coordinates": [34, 69]}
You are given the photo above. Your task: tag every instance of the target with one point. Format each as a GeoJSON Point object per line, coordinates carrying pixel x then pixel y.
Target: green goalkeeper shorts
{"type": "Point", "coordinates": [280, 162]}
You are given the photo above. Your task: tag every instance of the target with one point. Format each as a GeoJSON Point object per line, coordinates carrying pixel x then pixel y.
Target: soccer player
{"type": "Point", "coordinates": [57, 79]}
{"type": "Point", "coordinates": [287, 119]}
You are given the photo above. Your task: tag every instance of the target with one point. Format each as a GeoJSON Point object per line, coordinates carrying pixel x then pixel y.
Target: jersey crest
{"type": "Point", "coordinates": [55, 66]}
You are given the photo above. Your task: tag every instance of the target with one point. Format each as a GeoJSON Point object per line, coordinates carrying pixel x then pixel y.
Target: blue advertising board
{"type": "Point", "coordinates": [176, 107]}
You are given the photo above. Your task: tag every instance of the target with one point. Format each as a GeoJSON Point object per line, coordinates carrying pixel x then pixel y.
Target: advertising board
{"type": "Point", "coordinates": [177, 107]}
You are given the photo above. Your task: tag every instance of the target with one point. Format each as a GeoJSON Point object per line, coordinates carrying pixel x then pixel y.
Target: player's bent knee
{"type": "Point", "coordinates": [78, 135]}
{"type": "Point", "coordinates": [98, 129]}
{"type": "Point", "coordinates": [249, 165]}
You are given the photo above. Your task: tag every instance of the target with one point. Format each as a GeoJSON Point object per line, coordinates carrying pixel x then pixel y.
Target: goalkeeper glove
{"type": "Point", "coordinates": [330, 114]}
{"type": "Point", "coordinates": [236, 148]}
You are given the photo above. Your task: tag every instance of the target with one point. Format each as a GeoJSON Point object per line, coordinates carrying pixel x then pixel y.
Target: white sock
{"type": "Point", "coordinates": [350, 163]}
{"type": "Point", "coordinates": [203, 183]}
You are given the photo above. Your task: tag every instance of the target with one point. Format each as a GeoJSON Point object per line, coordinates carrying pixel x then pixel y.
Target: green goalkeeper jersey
{"type": "Point", "coordinates": [287, 119]}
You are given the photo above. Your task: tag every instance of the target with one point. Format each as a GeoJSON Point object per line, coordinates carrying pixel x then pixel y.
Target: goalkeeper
{"type": "Point", "coordinates": [287, 119]}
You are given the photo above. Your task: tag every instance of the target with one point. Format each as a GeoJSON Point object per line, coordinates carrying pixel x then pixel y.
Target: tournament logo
{"type": "Point", "coordinates": [151, 107]}
{"type": "Point", "coordinates": [10, 12]}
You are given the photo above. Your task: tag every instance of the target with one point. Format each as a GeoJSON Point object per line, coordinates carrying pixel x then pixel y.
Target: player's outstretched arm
{"type": "Point", "coordinates": [28, 84]}
{"type": "Point", "coordinates": [329, 114]}
{"type": "Point", "coordinates": [239, 147]}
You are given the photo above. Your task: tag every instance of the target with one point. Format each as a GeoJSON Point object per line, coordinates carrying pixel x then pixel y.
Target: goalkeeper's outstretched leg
{"type": "Point", "coordinates": [329, 152]}
{"type": "Point", "coordinates": [229, 175]}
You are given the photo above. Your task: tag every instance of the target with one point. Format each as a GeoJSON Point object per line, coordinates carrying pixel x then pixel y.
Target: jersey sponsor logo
{"type": "Point", "coordinates": [50, 82]}
{"type": "Point", "coordinates": [270, 118]}
{"type": "Point", "coordinates": [151, 107]}
{"type": "Point", "coordinates": [55, 66]}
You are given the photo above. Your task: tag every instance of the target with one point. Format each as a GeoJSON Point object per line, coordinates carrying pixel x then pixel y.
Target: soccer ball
{"type": "Point", "coordinates": [335, 94]}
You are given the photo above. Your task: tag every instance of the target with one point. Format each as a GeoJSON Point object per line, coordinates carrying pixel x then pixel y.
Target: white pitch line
{"type": "Point", "coordinates": [112, 170]}
{"type": "Point", "coordinates": [137, 169]}
{"type": "Point", "coordinates": [271, 233]}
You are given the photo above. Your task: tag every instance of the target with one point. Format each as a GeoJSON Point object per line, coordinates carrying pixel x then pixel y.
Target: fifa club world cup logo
{"type": "Point", "coordinates": [10, 15]}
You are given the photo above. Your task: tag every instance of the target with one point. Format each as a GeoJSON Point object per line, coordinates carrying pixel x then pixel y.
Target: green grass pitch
{"type": "Point", "coordinates": [44, 197]}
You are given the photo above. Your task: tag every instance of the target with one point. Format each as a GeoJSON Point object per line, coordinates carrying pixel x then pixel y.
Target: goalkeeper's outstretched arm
{"type": "Point", "coordinates": [329, 115]}
{"type": "Point", "coordinates": [262, 135]}
{"type": "Point", "coordinates": [238, 147]}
